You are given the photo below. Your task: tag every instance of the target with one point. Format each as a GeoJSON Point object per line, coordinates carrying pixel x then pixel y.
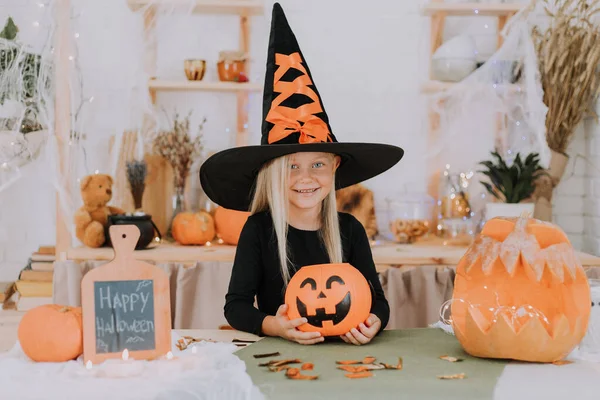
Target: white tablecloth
{"type": "Point", "coordinates": [213, 372]}
{"type": "Point", "coordinates": [578, 381]}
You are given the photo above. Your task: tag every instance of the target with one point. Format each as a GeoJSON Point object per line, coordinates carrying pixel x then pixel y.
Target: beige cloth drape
{"type": "Point", "coordinates": [415, 293]}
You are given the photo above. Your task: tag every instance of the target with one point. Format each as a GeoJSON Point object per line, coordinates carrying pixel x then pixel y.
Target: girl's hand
{"type": "Point", "coordinates": [284, 327]}
{"type": "Point", "coordinates": [366, 333]}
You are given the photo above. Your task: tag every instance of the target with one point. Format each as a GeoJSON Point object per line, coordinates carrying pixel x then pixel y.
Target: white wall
{"type": "Point", "coordinates": [367, 59]}
{"type": "Point", "coordinates": [591, 199]}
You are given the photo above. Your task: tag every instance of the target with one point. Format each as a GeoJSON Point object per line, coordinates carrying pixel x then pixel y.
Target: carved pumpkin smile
{"type": "Point", "coordinates": [334, 298]}
{"type": "Point", "coordinates": [317, 316]}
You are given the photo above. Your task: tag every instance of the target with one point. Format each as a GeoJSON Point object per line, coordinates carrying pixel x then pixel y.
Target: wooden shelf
{"type": "Point", "coordinates": [173, 85]}
{"type": "Point", "coordinates": [439, 86]}
{"type": "Point", "coordinates": [234, 7]}
{"type": "Point", "coordinates": [467, 9]}
{"type": "Point", "coordinates": [436, 86]}
{"type": "Point", "coordinates": [162, 253]}
{"type": "Point", "coordinates": [384, 254]}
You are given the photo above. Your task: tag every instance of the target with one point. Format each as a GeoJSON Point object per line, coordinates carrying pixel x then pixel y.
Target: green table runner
{"type": "Point", "coordinates": [419, 348]}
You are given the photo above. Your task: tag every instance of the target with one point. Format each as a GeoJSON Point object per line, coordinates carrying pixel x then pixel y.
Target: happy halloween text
{"type": "Point", "coordinates": [122, 303]}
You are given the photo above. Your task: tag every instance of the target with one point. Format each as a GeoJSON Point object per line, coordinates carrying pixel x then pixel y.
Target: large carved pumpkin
{"type": "Point", "coordinates": [334, 298]}
{"type": "Point", "coordinates": [193, 228]}
{"type": "Point", "coordinates": [51, 333]}
{"type": "Point", "coordinates": [520, 293]}
{"type": "Point", "coordinates": [229, 224]}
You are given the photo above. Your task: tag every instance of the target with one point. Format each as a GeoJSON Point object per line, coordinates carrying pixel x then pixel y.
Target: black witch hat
{"type": "Point", "coordinates": [294, 120]}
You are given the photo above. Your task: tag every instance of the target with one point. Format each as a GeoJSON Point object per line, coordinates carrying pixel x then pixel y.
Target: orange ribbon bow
{"type": "Point", "coordinates": [288, 120]}
{"type": "Point", "coordinates": [314, 129]}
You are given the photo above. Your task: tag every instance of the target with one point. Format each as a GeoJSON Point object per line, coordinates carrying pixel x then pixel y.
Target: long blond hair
{"type": "Point", "coordinates": [271, 194]}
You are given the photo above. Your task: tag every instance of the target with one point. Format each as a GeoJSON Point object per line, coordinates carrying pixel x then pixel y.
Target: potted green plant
{"type": "Point", "coordinates": [512, 186]}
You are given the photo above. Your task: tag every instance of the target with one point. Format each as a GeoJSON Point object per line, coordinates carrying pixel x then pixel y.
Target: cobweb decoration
{"type": "Point", "coordinates": [499, 106]}
{"type": "Point", "coordinates": [26, 91]}
{"type": "Point", "coordinates": [107, 97]}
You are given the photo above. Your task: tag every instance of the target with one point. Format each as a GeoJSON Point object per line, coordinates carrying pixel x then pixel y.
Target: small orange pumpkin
{"type": "Point", "coordinates": [193, 228]}
{"type": "Point", "coordinates": [520, 293]}
{"type": "Point", "coordinates": [229, 224]}
{"type": "Point", "coordinates": [334, 298]}
{"type": "Point", "coordinates": [51, 333]}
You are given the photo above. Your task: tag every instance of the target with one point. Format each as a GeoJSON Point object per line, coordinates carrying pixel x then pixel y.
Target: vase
{"type": "Point", "coordinates": [545, 185]}
{"type": "Point", "coordinates": [508, 210]}
{"type": "Point", "coordinates": [178, 206]}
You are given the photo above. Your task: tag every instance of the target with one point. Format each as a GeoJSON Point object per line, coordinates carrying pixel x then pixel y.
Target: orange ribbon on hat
{"type": "Point", "coordinates": [288, 120]}
{"type": "Point", "coordinates": [314, 129]}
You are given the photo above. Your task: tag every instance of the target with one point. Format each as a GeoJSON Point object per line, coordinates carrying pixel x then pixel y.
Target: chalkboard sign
{"type": "Point", "coordinates": [126, 304]}
{"type": "Point", "coordinates": [124, 315]}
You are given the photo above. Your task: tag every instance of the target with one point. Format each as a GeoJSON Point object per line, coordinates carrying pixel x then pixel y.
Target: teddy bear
{"type": "Point", "coordinates": [92, 218]}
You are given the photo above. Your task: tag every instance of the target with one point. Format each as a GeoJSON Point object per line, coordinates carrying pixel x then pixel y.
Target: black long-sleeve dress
{"type": "Point", "coordinates": [256, 270]}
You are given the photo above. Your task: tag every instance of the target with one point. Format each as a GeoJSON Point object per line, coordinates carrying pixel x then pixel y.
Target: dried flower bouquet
{"type": "Point", "coordinates": [568, 56]}
{"type": "Point", "coordinates": [179, 148]}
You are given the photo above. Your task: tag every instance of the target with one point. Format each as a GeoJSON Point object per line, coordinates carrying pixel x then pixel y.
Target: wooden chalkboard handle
{"type": "Point", "coordinates": [124, 238]}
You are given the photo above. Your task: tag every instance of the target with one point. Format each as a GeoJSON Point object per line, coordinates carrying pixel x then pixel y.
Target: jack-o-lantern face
{"type": "Point", "coordinates": [334, 298]}
{"type": "Point", "coordinates": [520, 293]}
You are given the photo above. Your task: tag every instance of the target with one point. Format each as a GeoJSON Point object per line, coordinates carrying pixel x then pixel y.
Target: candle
{"type": "Point", "coordinates": [87, 371]}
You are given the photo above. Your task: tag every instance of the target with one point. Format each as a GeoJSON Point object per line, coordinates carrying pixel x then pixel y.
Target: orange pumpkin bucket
{"type": "Point", "coordinates": [334, 298]}
{"type": "Point", "coordinates": [520, 293]}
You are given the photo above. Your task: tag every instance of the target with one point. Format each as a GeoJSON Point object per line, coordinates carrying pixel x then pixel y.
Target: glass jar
{"type": "Point", "coordinates": [454, 208]}
{"type": "Point", "coordinates": [409, 216]}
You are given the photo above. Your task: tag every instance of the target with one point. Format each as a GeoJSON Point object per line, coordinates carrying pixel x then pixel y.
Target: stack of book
{"type": "Point", "coordinates": [34, 286]}
{"type": "Point", "coordinates": [7, 290]}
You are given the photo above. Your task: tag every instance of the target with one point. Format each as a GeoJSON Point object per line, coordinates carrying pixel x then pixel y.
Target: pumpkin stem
{"type": "Point", "coordinates": [64, 309]}
{"type": "Point", "coordinates": [521, 224]}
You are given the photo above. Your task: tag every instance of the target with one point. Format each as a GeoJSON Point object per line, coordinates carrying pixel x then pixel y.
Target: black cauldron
{"type": "Point", "coordinates": [148, 230]}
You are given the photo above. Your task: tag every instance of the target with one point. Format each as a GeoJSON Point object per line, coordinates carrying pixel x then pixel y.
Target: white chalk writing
{"type": "Point", "coordinates": [122, 300]}
{"type": "Point", "coordinates": [142, 285]}
{"type": "Point", "coordinates": [101, 345]}
{"type": "Point", "coordinates": [109, 327]}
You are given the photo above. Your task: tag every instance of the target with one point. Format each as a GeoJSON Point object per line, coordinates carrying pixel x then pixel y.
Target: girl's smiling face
{"type": "Point", "coordinates": [311, 178]}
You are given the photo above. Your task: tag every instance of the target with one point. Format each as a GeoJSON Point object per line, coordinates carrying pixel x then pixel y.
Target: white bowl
{"type": "Point", "coordinates": [461, 46]}
{"type": "Point", "coordinates": [452, 69]}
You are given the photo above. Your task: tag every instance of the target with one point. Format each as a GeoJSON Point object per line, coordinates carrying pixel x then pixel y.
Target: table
{"type": "Point", "coordinates": [580, 380]}
{"type": "Point", "coordinates": [416, 279]}
{"type": "Point", "coordinates": [516, 381]}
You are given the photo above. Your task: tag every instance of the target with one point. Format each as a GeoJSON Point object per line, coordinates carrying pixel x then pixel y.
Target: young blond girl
{"type": "Point", "coordinates": [288, 184]}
